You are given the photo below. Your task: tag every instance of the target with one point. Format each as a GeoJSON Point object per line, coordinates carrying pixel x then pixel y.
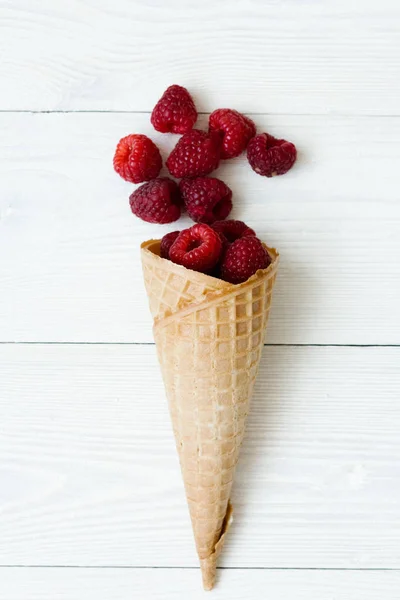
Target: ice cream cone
{"type": "Point", "coordinates": [209, 336]}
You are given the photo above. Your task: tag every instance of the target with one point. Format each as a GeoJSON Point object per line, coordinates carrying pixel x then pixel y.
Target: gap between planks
{"type": "Point", "coordinates": [138, 568]}
{"type": "Point", "coordinates": [203, 113]}
{"type": "Point", "coordinates": [272, 345]}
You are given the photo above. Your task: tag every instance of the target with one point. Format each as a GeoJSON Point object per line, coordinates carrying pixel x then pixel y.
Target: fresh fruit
{"type": "Point", "coordinates": [232, 230]}
{"type": "Point", "coordinates": [175, 112]}
{"type": "Point", "coordinates": [243, 258]}
{"type": "Point", "coordinates": [137, 158]}
{"type": "Point", "coordinates": [197, 248]}
{"type": "Point", "coordinates": [158, 201]}
{"type": "Point", "coordinates": [207, 199]}
{"type": "Point", "coordinates": [236, 130]}
{"type": "Point", "coordinates": [197, 153]}
{"type": "Point", "coordinates": [167, 242]}
{"type": "Point", "coordinates": [268, 156]}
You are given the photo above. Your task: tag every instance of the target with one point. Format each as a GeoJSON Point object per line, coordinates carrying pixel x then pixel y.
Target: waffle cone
{"type": "Point", "coordinates": [209, 336]}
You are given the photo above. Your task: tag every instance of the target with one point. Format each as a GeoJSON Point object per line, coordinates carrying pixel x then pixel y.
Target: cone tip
{"type": "Point", "coordinates": [208, 572]}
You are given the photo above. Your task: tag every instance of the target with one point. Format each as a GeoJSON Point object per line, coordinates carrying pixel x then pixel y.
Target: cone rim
{"type": "Point", "coordinates": [151, 248]}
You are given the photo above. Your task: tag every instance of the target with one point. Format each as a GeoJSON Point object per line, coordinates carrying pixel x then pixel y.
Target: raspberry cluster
{"type": "Point", "coordinates": [228, 249]}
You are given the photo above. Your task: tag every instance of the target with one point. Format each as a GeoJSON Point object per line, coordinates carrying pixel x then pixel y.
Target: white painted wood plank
{"type": "Point", "coordinates": [89, 473]}
{"type": "Point", "coordinates": [263, 56]}
{"type": "Point", "coordinates": [170, 584]}
{"type": "Point", "coordinates": [70, 266]}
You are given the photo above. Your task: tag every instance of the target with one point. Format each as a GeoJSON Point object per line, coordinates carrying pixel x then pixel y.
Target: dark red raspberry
{"type": "Point", "coordinates": [268, 156]}
{"type": "Point", "coordinates": [196, 154]}
{"type": "Point", "coordinates": [175, 112]}
{"type": "Point", "coordinates": [197, 248]}
{"type": "Point", "coordinates": [158, 201]}
{"type": "Point", "coordinates": [137, 158]}
{"type": "Point", "coordinates": [232, 230]}
{"type": "Point", "coordinates": [243, 258]}
{"type": "Point", "coordinates": [235, 128]}
{"type": "Point", "coordinates": [167, 242]}
{"type": "Point", "coordinates": [207, 199]}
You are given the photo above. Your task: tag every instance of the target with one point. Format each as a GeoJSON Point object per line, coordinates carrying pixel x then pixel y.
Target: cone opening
{"type": "Point", "coordinates": [153, 246]}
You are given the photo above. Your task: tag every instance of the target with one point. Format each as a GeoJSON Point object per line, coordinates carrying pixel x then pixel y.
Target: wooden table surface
{"type": "Point", "coordinates": [91, 499]}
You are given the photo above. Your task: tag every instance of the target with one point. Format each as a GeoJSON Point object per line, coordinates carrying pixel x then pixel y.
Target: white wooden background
{"type": "Point", "coordinates": [91, 500]}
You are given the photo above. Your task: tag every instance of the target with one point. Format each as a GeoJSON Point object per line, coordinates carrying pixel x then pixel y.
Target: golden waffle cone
{"type": "Point", "coordinates": [209, 336]}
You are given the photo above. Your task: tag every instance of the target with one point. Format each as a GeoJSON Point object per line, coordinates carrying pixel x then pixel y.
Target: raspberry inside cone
{"type": "Point", "coordinates": [243, 258]}
{"type": "Point", "coordinates": [198, 248]}
{"type": "Point", "coordinates": [167, 242]}
{"type": "Point", "coordinates": [232, 229]}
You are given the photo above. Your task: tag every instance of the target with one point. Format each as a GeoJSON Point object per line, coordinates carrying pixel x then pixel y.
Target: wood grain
{"type": "Point", "coordinates": [70, 266]}
{"type": "Point", "coordinates": [89, 473]}
{"type": "Point", "coordinates": [88, 470]}
{"type": "Point", "coordinates": [260, 56]}
{"type": "Point", "coordinates": [163, 584]}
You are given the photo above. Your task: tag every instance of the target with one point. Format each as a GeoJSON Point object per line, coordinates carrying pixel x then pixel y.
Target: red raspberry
{"type": "Point", "coordinates": [175, 112]}
{"type": "Point", "coordinates": [232, 230]}
{"type": "Point", "coordinates": [158, 201]}
{"type": "Point", "coordinates": [137, 158]}
{"type": "Point", "coordinates": [167, 242]}
{"type": "Point", "coordinates": [197, 248]}
{"type": "Point", "coordinates": [207, 199]}
{"type": "Point", "coordinates": [243, 258]}
{"type": "Point", "coordinates": [196, 154]}
{"type": "Point", "coordinates": [268, 156]}
{"type": "Point", "coordinates": [235, 128]}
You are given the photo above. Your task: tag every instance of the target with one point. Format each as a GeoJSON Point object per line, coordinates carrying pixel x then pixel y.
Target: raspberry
{"type": "Point", "coordinates": [175, 112]}
{"type": "Point", "coordinates": [137, 158]}
{"type": "Point", "coordinates": [167, 242]}
{"type": "Point", "coordinates": [196, 154]}
{"type": "Point", "coordinates": [243, 258]}
{"type": "Point", "coordinates": [207, 199]}
{"type": "Point", "coordinates": [268, 156]}
{"type": "Point", "coordinates": [158, 201]}
{"type": "Point", "coordinates": [235, 128]}
{"type": "Point", "coordinates": [232, 230]}
{"type": "Point", "coordinates": [197, 248]}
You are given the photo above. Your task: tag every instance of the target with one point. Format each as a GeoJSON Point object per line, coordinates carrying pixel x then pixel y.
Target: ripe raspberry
{"type": "Point", "coordinates": [158, 201]}
{"type": "Point", "coordinates": [196, 154]}
{"type": "Point", "coordinates": [207, 199]}
{"type": "Point", "coordinates": [243, 258]}
{"type": "Point", "coordinates": [137, 158]}
{"type": "Point", "coordinates": [167, 242]}
{"type": "Point", "coordinates": [232, 230]}
{"type": "Point", "coordinates": [268, 156]}
{"type": "Point", "coordinates": [175, 112]}
{"type": "Point", "coordinates": [197, 248]}
{"type": "Point", "coordinates": [235, 128]}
